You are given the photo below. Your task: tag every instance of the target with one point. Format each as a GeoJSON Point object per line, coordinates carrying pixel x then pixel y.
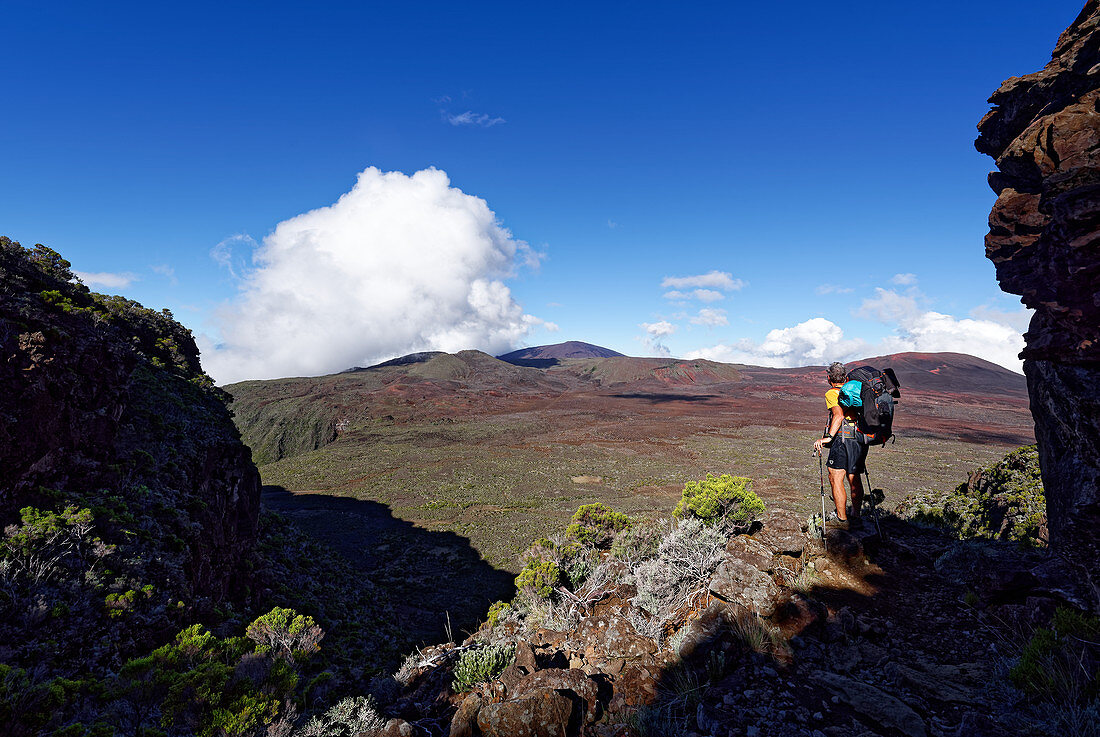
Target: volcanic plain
{"type": "Point", "coordinates": [440, 467]}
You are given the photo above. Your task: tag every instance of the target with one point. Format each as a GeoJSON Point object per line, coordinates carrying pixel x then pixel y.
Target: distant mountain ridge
{"type": "Point", "coordinates": [285, 417]}
{"type": "Point", "coordinates": [545, 356]}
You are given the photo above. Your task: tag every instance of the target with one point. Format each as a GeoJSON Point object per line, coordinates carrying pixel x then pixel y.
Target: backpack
{"type": "Point", "coordinates": [872, 392]}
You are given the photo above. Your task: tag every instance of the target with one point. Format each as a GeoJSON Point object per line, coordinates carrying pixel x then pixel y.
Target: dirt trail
{"type": "Point", "coordinates": [913, 641]}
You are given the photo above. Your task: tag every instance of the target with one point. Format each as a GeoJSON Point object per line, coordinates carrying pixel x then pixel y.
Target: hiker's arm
{"type": "Point", "coordinates": [836, 417]}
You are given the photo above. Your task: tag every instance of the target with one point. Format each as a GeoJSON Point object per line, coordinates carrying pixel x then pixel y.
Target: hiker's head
{"type": "Point", "coordinates": [837, 373]}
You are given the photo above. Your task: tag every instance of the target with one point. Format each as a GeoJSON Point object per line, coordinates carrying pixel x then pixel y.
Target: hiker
{"type": "Point", "coordinates": [847, 453]}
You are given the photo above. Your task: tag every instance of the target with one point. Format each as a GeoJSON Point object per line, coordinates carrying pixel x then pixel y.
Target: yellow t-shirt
{"type": "Point", "coordinates": [832, 399]}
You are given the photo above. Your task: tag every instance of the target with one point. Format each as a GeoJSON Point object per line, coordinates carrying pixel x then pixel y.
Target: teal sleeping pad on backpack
{"type": "Point", "coordinates": [850, 394]}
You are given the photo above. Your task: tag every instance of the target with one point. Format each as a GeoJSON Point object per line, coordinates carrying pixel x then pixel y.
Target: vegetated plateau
{"type": "Point", "coordinates": [492, 455]}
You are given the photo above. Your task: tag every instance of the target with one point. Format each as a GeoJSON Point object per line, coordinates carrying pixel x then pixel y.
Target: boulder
{"type": "Point", "coordinates": [542, 712]}
{"type": "Point", "coordinates": [464, 722]}
{"type": "Point", "coordinates": [397, 728]}
{"type": "Point", "coordinates": [749, 549]}
{"type": "Point", "coordinates": [1044, 240]}
{"type": "Point", "coordinates": [614, 637]}
{"type": "Point", "coordinates": [572, 682]}
{"type": "Point", "coordinates": [880, 707]}
{"type": "Point", "coordinates": [700, 630]}
{"type": "Point", "coordinates": [510, 676]}
{"type": "Point", "coordinates": [784, 532]}
{"type": "Point", "coordinates": [635, 686]}
{"type": "Point", "coordinates": [525, 657]}
{"type": "Point", "coordinates": [946, 683]}
{"type": "Point", "coordinates": [738, 582]}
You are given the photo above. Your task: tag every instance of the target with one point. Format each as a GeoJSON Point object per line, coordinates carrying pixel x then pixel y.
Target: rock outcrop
{"type": "Point", "coordinates": [1044, 238]}
{"type": "Point", "coordinates": [1002, 502]}
{"type": "Point", "coordinates": [106, 412]}
{"type": "Point", "coordinates": [822, 651]}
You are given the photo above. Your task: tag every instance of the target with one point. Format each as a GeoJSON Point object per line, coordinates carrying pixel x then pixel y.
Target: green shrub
{"type": "Point", "coordinates": [209, 686]}
{"type": "Point", "coordinates": [597, 524]}
{"type": "Point", "coordinates": [285, 633]}
{"type": "Point", "coordinates": [496, 610]}
{"type": "Point", "coordinates": [481, 665]}
{"type": "Point", "coordinates": [717, 498]}
{"type": "Point", "coordinates": [538, 578]}
{"type": "Point", "coordinates": [1005, 501]}
{"type": "Point", "coordinates": [1061, 663]}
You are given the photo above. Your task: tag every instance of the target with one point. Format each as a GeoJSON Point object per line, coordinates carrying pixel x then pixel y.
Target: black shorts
{"type": "Point", "coordinates": [849, 454]}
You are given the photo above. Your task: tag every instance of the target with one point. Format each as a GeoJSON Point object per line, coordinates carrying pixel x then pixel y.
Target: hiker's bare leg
{"type": "Point", "coordinates": [840, 498]}
{"type": "Point", "coordinates": [856, 482]}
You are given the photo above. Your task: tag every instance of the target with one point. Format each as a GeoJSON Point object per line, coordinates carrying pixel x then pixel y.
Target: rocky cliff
{"type": "Point", "coordinates": [129, 502]}
{"type": "Point", "coordinates": [1044, 238]}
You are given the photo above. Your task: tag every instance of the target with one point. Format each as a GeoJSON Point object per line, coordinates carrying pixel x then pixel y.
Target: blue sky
{"type": "Point", "coordinates": [810, 167]}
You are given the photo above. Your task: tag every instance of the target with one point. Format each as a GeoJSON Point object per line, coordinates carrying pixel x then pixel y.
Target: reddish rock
{"type": "Point", "coordinates": [542, 712]}
{"type": "Point", "coordinates": [704, 629]}
{"type": "Point", "coordinates": [738, 582]}
{"type": "Point", "coordinates": [635, 686]}
{"type": "Point", "coordinates": [571, 682]}
{"type": "Point", "coordinates": [783, 532]}
{"type": "Point", "coordinates": [464, 722]}
{"type": "Point", "coordinates": [1044, 239]}
{"type": "Point", "coordinates": [525, 657]}
{"type": "Point", "coordinates": [510, 676]}
{"type": "Point", "coordinates": [614, 637]}
{"type": "Point", "coordinates": [548, 638]}
{"type": "Point", "coordinates": [751, 551]}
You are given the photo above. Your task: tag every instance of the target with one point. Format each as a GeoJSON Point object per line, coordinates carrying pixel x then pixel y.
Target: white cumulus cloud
{"type": "Point", "coordinates": [904, 279]}
{"type": "Point", "coordinates": [660, 329]}
{"type": "Point", "coordinates": [106, 279]}
{"type": "Point", "coordinates": [399, 264]}
{"type": "Point", "coordinates": [711, 317]}
{"type": "Point", "coordinates": [927, 331]}
{"type": "Point", "coordinates": [1019, 319]}
{"type": "Point", "coordinates": [711, 279]}
{"type": "Point", "coordinates": [815, 341]}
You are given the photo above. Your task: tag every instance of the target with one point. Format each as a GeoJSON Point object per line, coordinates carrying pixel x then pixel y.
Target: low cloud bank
{"type": "Point", "coordinates": [821, 341]}
{"type": "Point", "coordinates": [814, 341]}
{"type": "Point", "coordinates": [399, 264]}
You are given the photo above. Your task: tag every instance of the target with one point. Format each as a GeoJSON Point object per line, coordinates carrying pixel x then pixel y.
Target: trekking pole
{"type": "Point", "coordinates": [874, 506]}
{"type": "Point", "coordinates": [821, 475]}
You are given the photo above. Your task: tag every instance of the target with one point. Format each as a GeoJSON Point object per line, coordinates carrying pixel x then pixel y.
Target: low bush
{"type": "Point", "coordinates": [496, 610]}
{"type": "Point", "coordinates": [685, 560]}
{"type": "Point", "coordinates": [637, 542]}
{"type": "Point", "coordinates": [1003, 502]}
{"type": "Point", "coordinates": [350, 717]}
{"type": "Point", "coordinates": [538, 578]}
{"type": "Point", "coordinates": [597, 525]}
{"type": "Point", "coordinates": [285, 633]}
{"type": "Point", "coordinates": [1063, 661]}
{"type": "Point", "coordinates": [480, 665]}
{"type": "Point", "coordinates": [727, 498]}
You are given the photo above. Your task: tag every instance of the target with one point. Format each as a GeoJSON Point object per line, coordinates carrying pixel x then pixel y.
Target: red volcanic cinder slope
{"type": "Point", "coordinates": [950, 372]}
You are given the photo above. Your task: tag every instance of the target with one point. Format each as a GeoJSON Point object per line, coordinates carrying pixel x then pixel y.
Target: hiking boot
{"type": "Point", "coordinates": [855, 523]}
{"type": "Point", "coordinates": [833, 522]}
